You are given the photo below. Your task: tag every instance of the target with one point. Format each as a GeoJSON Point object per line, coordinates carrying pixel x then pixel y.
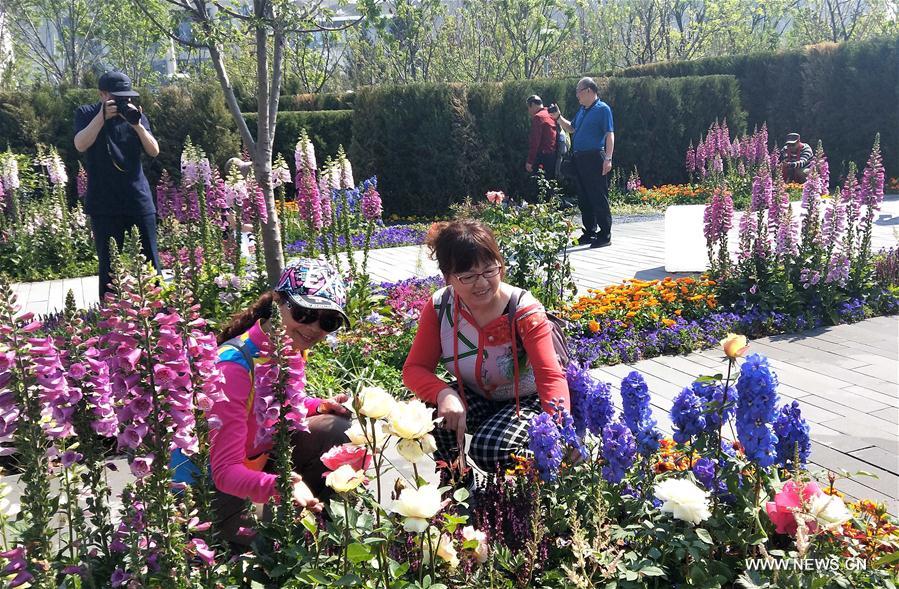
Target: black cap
{"type": "Point", "coordinates": [792, 138]}
{"type": "Point", "coordinates": [534, 99]}
{"type": "Point", "coordinates": [117, 84]}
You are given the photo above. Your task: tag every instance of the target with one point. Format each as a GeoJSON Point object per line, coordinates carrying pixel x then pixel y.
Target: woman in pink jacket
{"type": "Point", "coordinates": [310, 297]}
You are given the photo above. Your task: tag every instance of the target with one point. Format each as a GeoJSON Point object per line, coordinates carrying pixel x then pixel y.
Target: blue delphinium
{"type": "Point", "coordinates": [568, 432]}
{"type": "Point", "coordinates": [712, 395]}
{"type": "Point", "coordinates": [545, 443]}
{"type": "Point", "coordinates": [591, 401]}
{"type": "Point", "coordinates": [757, 388]}
{"type": "Point", "coordinates": [579, 383]}
{"type": "Point", "coordinates": [705, 470]}
{"type": "Point", "coordinates": [792, 429]}
{"type": "Point", "coordinates": [687, 416]}
{"type": "Point", "coordinates": [618, 449]}
{"type": "Point", "coordinates": [638, 414]}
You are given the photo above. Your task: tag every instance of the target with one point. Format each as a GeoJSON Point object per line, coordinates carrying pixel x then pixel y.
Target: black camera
{"type": "Point", "coordinates": [552, 108]}
{"type": "Point", "coordinates": [127, 109]}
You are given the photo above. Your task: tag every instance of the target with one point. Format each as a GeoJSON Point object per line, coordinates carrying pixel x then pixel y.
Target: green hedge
{"type": "Point", "coordinates": [328, 129]}
{"type": "Point", "coordinates": [841, 94]}
{"type": "Point", "coordinates": [432, 144]}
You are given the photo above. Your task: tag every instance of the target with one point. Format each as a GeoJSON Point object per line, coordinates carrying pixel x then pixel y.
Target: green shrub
{"type": "Point", "coordinates": [307, 102]}
{"type": "Point", "coordinates": [199, 111]}
{"type": "Point", "coordinates": [432, 144]}
{"type": "Point", "coordinates": [327, 129]}
{"type": "Point", "coordinates": [841, 94]}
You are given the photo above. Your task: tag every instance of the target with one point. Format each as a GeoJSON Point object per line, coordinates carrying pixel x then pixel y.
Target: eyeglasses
{"type": "Point", "coordinates": [579, 90]}
{"type": "Point", "coordinates": [329, 321]}
{"type": "Point", "coordinates": [470, 278]}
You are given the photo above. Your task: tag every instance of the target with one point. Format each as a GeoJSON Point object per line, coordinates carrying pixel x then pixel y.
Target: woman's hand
{"type": "Point", "coordinates": [452, 410]}
{"type": "Point", "coordinates": [303, 496]}
{"type": "Point", "coordinates": [334, 405]}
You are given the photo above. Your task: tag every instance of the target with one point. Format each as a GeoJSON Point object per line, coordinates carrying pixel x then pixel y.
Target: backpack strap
{"type": "Point", "coordinates": [240, 344]}
{"type": "Point", "coordinates": [514, 302]}
{"type": "Point", "coordinates": [441, 307]}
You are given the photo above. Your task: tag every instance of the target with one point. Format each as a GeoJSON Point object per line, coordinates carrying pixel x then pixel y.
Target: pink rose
{"type": "Point", "coordinates": [788, 502]}
{"type": "Point", "coordinates": [496, 196]}
{"type": "Point", "coordinates": [356, 456]}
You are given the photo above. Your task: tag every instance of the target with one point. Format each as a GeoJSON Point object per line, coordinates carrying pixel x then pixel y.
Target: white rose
{"type": "Point", "coordinates": [469, 534]}
{"type": "Point", "coordinates": [684, 500]}
{"type": "Point", "coordinates": [411, 419]}
{"type": "Point", "coordinates": [345, 478]}
{"type": "Point", "coordinates": [371, 435]}
{"type": "Point", "coordinates": [418, 506]}
{"type": "Point", "coordinates": [443, 546]}
{"type": "Point", "coordinates": [829, 511]}
{"type": "Point", "coordinates": [416, 450]}
{"type": "Point", "coordinates": [375, 402]}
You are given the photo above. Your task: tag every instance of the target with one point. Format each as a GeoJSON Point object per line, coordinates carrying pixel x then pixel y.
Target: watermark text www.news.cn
{"type": "Point", "coordinates": [806, 564]}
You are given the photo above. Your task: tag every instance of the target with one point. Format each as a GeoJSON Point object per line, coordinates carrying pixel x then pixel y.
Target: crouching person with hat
{"type": "Point", "coordinates": [795, 159]}
{"type": "Point", "coordinates": [310, 296]}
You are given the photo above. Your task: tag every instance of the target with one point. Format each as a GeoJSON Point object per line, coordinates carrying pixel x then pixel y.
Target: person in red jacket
{"type": "Point", "coordinates": [502, 379]}
{"type": "Point", "coordinates": [541, 140]}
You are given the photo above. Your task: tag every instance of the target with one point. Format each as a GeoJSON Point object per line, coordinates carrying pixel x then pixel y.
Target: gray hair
{"type": "Point", "coordinates": [587, 82]}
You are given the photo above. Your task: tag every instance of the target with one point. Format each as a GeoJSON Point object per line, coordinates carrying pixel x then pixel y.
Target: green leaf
{"type": "Point", "coordinates": [461, 495]}
{"type": "Point", "coordinates": [652, 571]}
{"type": "Point", "coordinates": [704, 535]}
{"type": "Point", "coordinates": [347, 580]}
{"type": "Point", "coordinates": [357, 553]}
{"type": "Point", "coordinates": [887, 559]}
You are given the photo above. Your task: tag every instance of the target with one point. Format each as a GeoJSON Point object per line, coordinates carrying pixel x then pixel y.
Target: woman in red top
{"type": "Point", "coordinates": [502, 379]}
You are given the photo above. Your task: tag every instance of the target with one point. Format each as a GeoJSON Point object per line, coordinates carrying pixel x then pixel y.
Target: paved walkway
{"type": "Point", "coordinates": [844, 377]}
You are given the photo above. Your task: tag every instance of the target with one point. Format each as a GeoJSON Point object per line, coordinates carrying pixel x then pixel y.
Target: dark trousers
{"type": "Point", "coordinates": [497, 432]}
{"type": "Point", "coordinates": [325, 432]}
{"type": "Point", "coordinates": [593, 194]}
{"type": "Point", "coordinates": [115, 226]}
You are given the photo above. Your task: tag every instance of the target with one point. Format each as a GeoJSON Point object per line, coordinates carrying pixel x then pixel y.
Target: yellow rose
{"type": "Point", "coordinates": [443, 544]}
{"type": "Point", "coordinates": [471, 535]}
{"type": "Point", "coordinates": [345, 478]}
{"type": "Point", "coordinates": [734, 345]}
{"type": "Point", "coordinates": [375, 402]}
{"type": "Point", "coordinates": [415, 450]}
{"type": "Point", "coordinates": [411, 419]}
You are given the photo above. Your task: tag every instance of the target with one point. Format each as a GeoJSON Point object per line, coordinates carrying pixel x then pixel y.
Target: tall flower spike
{"type": "Point", "coordinates": [757, 388]}
{"type": "Point", "coordinates": [545, 443]}
{"type": "Point", "coordinates": [792, 437]}
{"type": "Point", "coordinates": [619, 449]}
{"type": "Point", "coordinates": [638, 414]}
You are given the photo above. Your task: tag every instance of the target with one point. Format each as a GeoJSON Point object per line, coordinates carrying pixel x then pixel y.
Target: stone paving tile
{"type": "Point", "coordinates": [884, 483]}
{"type": "Point", "coordinates": [888, 461]}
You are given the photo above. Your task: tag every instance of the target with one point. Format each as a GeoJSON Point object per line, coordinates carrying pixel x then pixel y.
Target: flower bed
{"type": "Point", "coordinates": [390, 236]}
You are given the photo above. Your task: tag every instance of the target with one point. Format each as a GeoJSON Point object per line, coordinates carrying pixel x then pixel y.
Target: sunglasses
{"type": "Point", "coordinates": [329, 321]}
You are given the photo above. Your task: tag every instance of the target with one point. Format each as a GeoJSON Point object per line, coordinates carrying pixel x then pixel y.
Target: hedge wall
{"type": "Point", "coordinates": [328, 129]}
{"type": "Point", "coordinates": [431, 144]}
{"type": "Point", "coordinates": [841, 94]}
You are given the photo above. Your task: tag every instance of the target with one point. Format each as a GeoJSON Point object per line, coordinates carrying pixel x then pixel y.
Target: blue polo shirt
{"type": "Point", "coordinates": [590, 127]}
{"type": "Point", "coordinates": [116, 184]}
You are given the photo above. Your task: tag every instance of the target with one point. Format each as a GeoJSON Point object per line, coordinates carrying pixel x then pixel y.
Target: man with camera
{"type": "Point", "coordinates": [112, 133]}
{"type": "Point", "coordinates": [592, 144]}
{"type": "Point", "coordinates": [541, 139]}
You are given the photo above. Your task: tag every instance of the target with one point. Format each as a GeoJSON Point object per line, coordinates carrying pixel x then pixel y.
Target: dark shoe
{"type": "Point", "coordinates": [599, 242]}
{"type": "Point", "coordinates": [586, 239]}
